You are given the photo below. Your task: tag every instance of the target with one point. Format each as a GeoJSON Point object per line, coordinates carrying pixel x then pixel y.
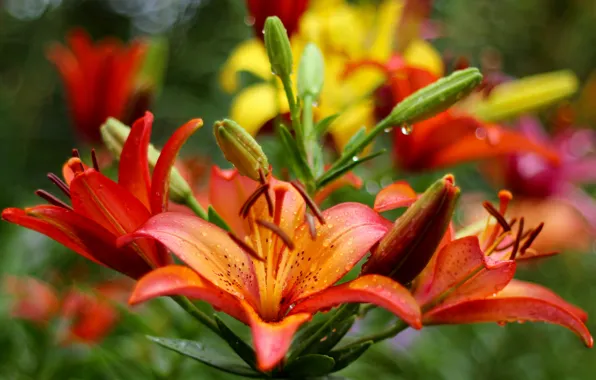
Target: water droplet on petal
{"type": "Point", "coordinates": [493, 137]}
{"type": "Point", "coordinates": [480, 133]}
{"type": "Point", "coordinates": [406, 129]}
{"type": "Point", "coordinates": [250, 21]}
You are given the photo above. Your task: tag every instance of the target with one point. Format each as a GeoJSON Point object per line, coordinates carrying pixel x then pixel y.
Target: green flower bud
{"type": "Point", "coordinates": [240, 148]}
{"type": "Point", "coordinates": [434, 98]}
{"type": "Point", "coordinates": [410, 244]}
{"type": "Point", "coordinates": [114, 133]}
{"type": "Point", "coordinates": [278, 47]}
{"type": "Point", "coordinates": [311, 72]}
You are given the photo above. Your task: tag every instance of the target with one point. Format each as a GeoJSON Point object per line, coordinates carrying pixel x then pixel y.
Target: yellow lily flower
{"type": "Point", "coordinates": [345, 33]}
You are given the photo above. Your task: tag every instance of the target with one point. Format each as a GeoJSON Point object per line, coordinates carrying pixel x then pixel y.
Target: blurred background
{"type": "Point", "coordinates": [36, 137]}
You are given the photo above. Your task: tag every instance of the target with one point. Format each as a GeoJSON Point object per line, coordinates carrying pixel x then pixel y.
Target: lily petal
{"type": "Point", "coordinates": [133, 170]}
{"type": "Point", "coordinates": [398, 194]}
{"type": "Point", "coordinates": [255, 105]}
{"type": "Point", "coordinates": [80, 234]}
{"type": "Point", "coordinates": [519, 301]}
{"type": "Point", "coordinates": [462, 271]}
{"type": "Point", "coordinates": [160, 183]}
{"type": "Point", "coordinates": [350, 231]}
{"type": "Point", "coordinates": [272, 339]}
{"type": "Point", "coordinates": [204, 247]}
{"type": "Point", "coordinates": [180, 280]}
{"type": "Point", "coordinates": [248, 56]}
{"type": "Point", "coordinates": [375, 289]}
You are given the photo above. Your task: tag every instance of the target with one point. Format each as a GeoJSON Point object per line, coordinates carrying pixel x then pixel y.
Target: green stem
{"type": "Point", "coordinates": [398, 327]}
{"type": "Point", "coordinates": [294, 111]}
{"type": "Point", "coordinates": [192, 203]}
{"type": "Point", "coordinates": [196, 313]}
{"type": "Point", "coordinates": [314, 153]}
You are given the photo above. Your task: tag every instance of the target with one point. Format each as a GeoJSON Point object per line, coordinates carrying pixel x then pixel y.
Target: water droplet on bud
{"type": "Point", "coordinates": [406, 129]}
{"type": "Point", "coordinates": [387, 130]}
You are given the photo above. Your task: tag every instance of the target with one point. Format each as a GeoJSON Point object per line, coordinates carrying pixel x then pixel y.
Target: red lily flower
{"type": "Point", "coordinates": [448, 138]}
{"type": "Point", "coordinates": [98, 79]}
{"type": "Point", "coordinates": [31, 299]}
{"type": "Point", "coordinates": [275, 270]}
{"type": "Point", "coordinates": [470, 279]}
{"type": "Point", "coordinates": [102, 210]}
{"type": "Point", "coordinates": [289, 12]}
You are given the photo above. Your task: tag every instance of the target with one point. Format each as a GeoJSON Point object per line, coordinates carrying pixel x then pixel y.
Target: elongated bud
{"type": "Point", "coordinates": [114, 133]}
{"type": "Point", "coordinates": [241, 149]}
{"type": "Point", "coordinates": [527, 94]}
{"type": "Point", "coordinates": [311, 72]}
{"type": "Point", "coordinates": [435, 97]}
{"type": "Point", "coordinates": [278, 47]}
{"type": "Point", "coordinates": [410, 244]}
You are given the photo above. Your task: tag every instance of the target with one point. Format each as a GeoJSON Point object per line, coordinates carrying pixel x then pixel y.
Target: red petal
{"type": "Point", "coordinates": [205, 248]}
{"type": "Point", "coordinates": [462, 271]}
{"type": "Point", "coordinates": [375, 289]}
{"type": "Point", "coordinates": [91, 317]}
{"type": "Point", "coordinates": [312, 266]}
{"type": "Point", "coordinates": [398, 194]}
{"type": "Point", "coordinates": [272, 339]}
{"type": "Point", "coordinates": [81, 235]}
{"type": "Point", "coordinates": [179, 280]}
{"type": "Point", "coordinates": [160, 184]}
{"type": "Point", "coordinates": [519, 301]}
{"type": "Point", "coordinates": [228, 190]}
{"type": "Point", "coordinates": [133, 170]}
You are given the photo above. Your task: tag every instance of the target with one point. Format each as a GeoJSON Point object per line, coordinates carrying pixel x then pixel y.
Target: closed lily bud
{"type": "Point", "coordinates": [278, 47]}
{"type": "Point", "coordinates": [114, 133]}
{"type": "Point", "coordinates": [410, 244]}
{"type": "Point", "coordinates": [311, 72]}
{"type": "Point", "coordinates": [241, 149]}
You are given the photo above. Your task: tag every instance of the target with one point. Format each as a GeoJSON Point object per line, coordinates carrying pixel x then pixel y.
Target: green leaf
{"type": "Point", "coordinates": [237, 344]}
{"type": "Point", "coordinates": [334, 174]}
{"type": "Point", "coordinates": [346, 356]}
{"type": "Point", "coordinates": [309, 366]}
{"type": "Point", "coordinates": [295, 159]}
{"type": "Point", "coordinates": [434, 98]}
{"type": "Point", "coordinates": [215, 218]}
{"type": "Point", "coordinates": [322, 126]}
{"type": "Point", "coordinates": [332, 335]}
{"type": "Point", "coordinates": [206, 355]}
{"type": "Point", "coordinates": [355, 139]}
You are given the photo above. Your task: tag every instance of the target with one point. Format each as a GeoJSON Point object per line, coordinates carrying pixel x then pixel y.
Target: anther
{"type": "Point", "coordinates": [497, 215]}
{"type": "Point", "coordinates": [94, 159]}
{"type": "Point", "coordinates": [52, 199]}
{"type": "Point", "coordinates": [75, 153]}
{"type": "Point", "coordinates": [520, 232]}
{"type": "Point", "coordinates": [245, 247]}
{"type": "Point", "coordinates": [309, 202]}
{"type": "Point", "coordinates": [531, 238]}
{"type": "Point", "coordinates": [278, 231]}
{"type": "Point", "coordinates": [60, 183]}
{"type": "Point", "coordinates": [245, 209]}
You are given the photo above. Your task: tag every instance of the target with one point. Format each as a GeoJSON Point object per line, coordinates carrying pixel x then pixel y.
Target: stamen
{"type": "Point", "coordinates": [510, 244]}
{"type": "Point", "coordinates": [60, 183]}
{"type": "Point", "coordinates": [263, 180]}
{"type": "Point", "coordinates": [309, 202]}
{"type": "Point", "coordinates": [75, 153]}
{"type": "Point", "coordinates": [497, 215]}
{"type": "Point", "coordinates": [244, 210]}
{"type": "Point", "coordinates": [520, 232]}
{"type": "Point", "coordinates": [247, 248]}
{"type": "Point", "coordinates": [531, 239]}
{"type": "Point", "coordinates": [512, 222]}
{"type": "Point", "coordinates": [52, 199]}
{"type": "Point", "coordinates": [278, 231]}
{"type": "Point", "coordinates": [94, 159]}
{"type": "Point", "coordinates": [310, 221]}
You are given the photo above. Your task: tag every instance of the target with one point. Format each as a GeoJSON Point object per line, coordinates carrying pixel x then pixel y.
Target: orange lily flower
{"type": "Point", "coordinates": [275, 270]}
{"type": "Point", "coordinates": [470, 279]}
{"type": "Point", "coordinates": [102, 209]}
{"type": "Point", "coordinates": [448, 138]}
{"type": "Point", "coordinates": [289, 11]}
{"type": "Point", "coordinates": [98, 80]}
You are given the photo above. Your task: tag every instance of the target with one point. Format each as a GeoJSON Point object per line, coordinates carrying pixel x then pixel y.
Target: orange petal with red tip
{"type": "Point", "coordinates": [204, 247]}
{"type": "Point", "coordinates": [462, 271]}
{"type": "Point", "coordinates": [272, 339]}
{"type": "Point", "coordinates": [179, 280]}
{"type": "Point", "coordinates": [375, 289]}
{"type": "Point", "coordinates": [80, 234]}
{"type": "Point", "coordinates": [228, 190]}
{"type": "Point", "coordinates": [398, 194]}
{"type": "Point", "coordinates": [133, 170]}
{"type": "Point", "coordinates": [351, 229]}
{"type": "Point", "coordinates": [519, 301]}
{"type": "Point", "coordinates": [160, 184]}
{"type": "Point", "coordinates": [498, 142]}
